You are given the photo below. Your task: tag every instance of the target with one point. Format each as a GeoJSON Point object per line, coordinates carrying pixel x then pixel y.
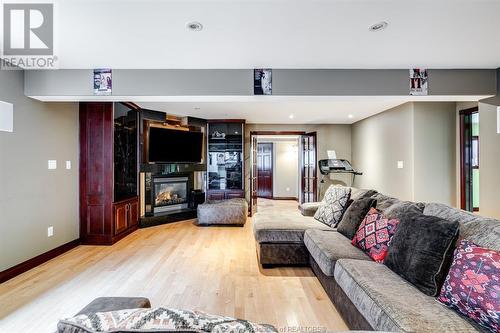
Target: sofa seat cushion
{"type": "Point", "coordinates": [480, 230]}
{"type": "Point", "coordinates": [326, 247]}
{"type": "Point", "coordinates": [283, 226]}
{"type": "Point", "coordinates": [389, 303]}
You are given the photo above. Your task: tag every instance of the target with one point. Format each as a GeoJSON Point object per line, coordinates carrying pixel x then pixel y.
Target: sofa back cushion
{"type": "Point", "coordinates": [353, 216]}
{"type": "Point", "coordinates": [421, 251]}
{"type": "Point", "coordinates": [482, 231]}
{"type": "Point", "coordinates": [374, 234]}
{"type": "Point", "coordinates": [357, 193]}
{"type": "Point", "coordinates": [333, 205]}
{"type": "Point", "coordinates": [472, 287]}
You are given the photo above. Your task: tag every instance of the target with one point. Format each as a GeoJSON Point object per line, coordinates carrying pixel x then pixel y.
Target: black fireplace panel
{"type": "Point", "coordinates": [169, 191]}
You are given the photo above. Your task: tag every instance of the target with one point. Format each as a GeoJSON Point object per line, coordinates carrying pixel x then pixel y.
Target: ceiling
{"type": "Point", "coordinates": [305, 110]}
{"type": "Point", "coordinates": [277, 34]}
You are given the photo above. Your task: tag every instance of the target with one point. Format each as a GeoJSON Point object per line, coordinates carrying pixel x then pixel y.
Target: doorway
{"type": "Point", "coordinates": [283, 167]}
{"type": "Point", "coordinates": [469, 159]}
{"type": "Point", "coordinates": [265, 170]}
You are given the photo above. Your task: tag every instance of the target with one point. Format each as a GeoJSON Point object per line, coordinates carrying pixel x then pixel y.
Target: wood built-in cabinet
{"type": "Point", "coordinates": [109, 204]}
{"type": "Point", "coordinates": [126, 215]}
{"type": "Point", "coordinates": [225, 160]}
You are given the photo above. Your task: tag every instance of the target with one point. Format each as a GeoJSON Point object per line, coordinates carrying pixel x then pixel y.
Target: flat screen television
{"type": "Point", "coordinates": [174, 146]}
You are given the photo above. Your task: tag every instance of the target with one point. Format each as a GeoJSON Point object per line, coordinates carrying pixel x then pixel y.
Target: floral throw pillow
{"type": "Point", "coordinates": [374, 234]}
{"type": "Point", "coordinates": [472, 286]}
{"type": "Point", "coordinates": [333, 205]}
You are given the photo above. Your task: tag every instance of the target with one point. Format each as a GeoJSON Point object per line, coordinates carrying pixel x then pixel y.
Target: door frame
{"type": "Point", "coordinates": [253, 200]}
{"type": "Point", "coordinates": [272, 169]}
{"type": "Point", "coordinates": [464, 172]}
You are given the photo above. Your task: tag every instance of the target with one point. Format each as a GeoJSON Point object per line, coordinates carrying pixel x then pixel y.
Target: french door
{"type": "Point", "coordinates": [265, 170]}
{"type": "Point", "coordinates": [309, 183]}
{"type": "Point", "coordinates": [253, 176]}
{"type": "Point", "coordinates": [469, 159]}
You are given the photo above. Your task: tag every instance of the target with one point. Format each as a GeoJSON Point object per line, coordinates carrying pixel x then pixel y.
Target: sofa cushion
{"type": "Point", "coordinates": [357, 193]}
{"type": "Point", "coordinates": [326, 247]}
{"type": "Point", "coordinates": [473, 287]}
{"type": "Point", "coordinates": [389, 303]}
{"type": "Point", "coordinates": [333, 205]}
{"type": "Point", "coordinates": [309, 208]}
{"type": "Point", "coordinates": [374, 234]}
{"type": "Point", "coordinates": [421, 251]}
{"type": "Point", "coordinates": [384, 201]}
{"type": "Point", "coordinates": [283, 226]}
{"type": "Point", "coordinates": [482, 231]}
{"type": "Point", "coordinates": [157, 320]}
{"type": "Point", "coordinates": [353, 216]}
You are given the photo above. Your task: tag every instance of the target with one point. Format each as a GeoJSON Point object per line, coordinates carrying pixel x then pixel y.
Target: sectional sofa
{"type": "Point", "coordinates": [368, 295]}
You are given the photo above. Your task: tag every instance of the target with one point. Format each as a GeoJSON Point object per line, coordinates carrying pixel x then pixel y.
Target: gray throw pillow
{"type": "Point", "coordinates": [421, 251]}
{"type": "Point", "coordinates": [333, 205]}
{"type": "Point", "coordinates": [353, 216]}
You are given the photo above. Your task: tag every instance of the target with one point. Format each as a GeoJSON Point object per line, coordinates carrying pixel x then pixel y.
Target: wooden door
{"type": "Point", "coordinates": [121, 217]}
{"type": "Point", "coordinates": [309, 179]}
{"type": "Point", "coordinates": [96, 173]}
{"type": "Point", "coordinates": [253, 175]}
{"type": "Point", "coordinates": [265, 170]}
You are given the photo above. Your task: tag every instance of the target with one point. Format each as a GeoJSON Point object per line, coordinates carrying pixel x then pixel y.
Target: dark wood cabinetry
{"type": "Point", "coordinates": [126, 215]}
{"type": "Point", "coordinates": [225, 160]}
{"type": "Point", "coordinates": [109, 206]}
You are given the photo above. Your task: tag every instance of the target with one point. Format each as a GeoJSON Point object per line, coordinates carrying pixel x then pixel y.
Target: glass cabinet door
{"type": "Point", "coordinates": [225, 156]}
{"type": "Point", "coordinates": [125, 152]}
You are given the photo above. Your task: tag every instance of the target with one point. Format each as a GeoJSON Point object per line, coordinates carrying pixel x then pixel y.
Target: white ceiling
{"type": "Point", "coordinates": [305, 110]}
{"type": "Point", "coordinates": [278, 34]}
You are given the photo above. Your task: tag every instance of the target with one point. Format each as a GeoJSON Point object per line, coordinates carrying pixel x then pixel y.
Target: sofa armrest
{"type": "Point", "coordinates": [104, 304]}
{"type": "Point", "coordinates": [309, 208]}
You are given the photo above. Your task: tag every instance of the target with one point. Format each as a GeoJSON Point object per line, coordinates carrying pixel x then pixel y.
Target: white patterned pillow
{"type": "Point", "coordinates": [157, 320]}
{"type": "Point", "coordinates": [333, 205]}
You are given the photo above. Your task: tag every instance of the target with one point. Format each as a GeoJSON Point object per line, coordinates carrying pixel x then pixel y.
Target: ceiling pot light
{"type": "Point", "coordinates": [378, 26]}
{"type": "Point", "coordinates": [350, 116]}
{"type": "Point", "coordinates": [291, 116]}
{"type": "Point", "coordinates": [194, 26]}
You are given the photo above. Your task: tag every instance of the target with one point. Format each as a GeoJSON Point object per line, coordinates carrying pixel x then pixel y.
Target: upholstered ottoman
{"type": "Point", "coordinates": [223, 212]}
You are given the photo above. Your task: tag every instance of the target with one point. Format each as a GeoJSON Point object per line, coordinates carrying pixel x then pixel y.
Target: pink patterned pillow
{"type": "Point", "coordinates": [374, 234]}
{"type": "Point", "coordinates": [472, 286]}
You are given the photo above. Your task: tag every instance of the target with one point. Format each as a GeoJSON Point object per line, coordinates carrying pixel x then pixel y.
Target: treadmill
{"type": "Point", "coordinates": [336, 166]}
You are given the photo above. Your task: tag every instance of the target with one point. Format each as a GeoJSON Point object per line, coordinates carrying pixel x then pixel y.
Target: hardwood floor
{"type": "Point", "coordinates": [213, 269]}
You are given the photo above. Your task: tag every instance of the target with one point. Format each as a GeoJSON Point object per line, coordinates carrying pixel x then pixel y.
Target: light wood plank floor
{"type": "Point", "coordinates": [213, 269]}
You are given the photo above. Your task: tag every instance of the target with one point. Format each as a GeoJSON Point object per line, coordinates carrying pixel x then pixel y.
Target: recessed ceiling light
{"type": "Point", "coordinates": [194, 26]}
{"type": "Point", "coordinates": [291, 116]}
{"type": "Point", "coordinates": [378, 26]}
{"type": "Point", "coordinates": [350, 116]}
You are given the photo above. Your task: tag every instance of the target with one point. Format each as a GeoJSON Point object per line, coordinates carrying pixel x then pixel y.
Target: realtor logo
{"type": "Point", "coordinates": [28, 35]}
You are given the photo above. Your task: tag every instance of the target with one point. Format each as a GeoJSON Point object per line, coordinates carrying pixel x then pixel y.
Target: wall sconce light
{"type": "Point", "coordinates": [6, 117]}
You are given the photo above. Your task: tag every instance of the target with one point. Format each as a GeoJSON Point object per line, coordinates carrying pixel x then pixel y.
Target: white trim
{"type": "Point", "coordinates": [498, 120]}
{"type": "Point", "coordinates": [6, 117]}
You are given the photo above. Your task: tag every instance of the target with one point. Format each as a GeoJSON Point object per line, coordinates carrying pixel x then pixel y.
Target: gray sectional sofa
{"type": "Point", "coordinates": [368, 295]}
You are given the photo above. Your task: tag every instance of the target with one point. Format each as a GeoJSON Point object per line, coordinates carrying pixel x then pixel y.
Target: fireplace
{"type": "Point", "coordinates": [169, 194]}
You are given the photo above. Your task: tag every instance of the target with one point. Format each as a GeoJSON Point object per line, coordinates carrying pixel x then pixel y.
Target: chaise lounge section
{"type": "Point", "coordinates": [368, 295]}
